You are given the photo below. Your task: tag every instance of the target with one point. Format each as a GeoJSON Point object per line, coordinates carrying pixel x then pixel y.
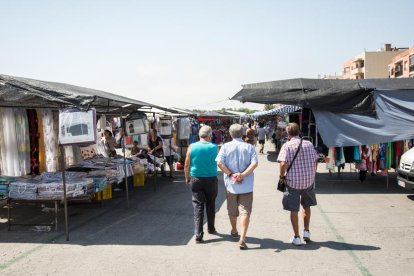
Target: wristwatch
{"type": "Point", "coordinates": [229, 175]}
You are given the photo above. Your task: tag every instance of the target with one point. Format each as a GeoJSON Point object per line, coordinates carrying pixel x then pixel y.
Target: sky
{"type": "Point", "coordinates": [192, 54]}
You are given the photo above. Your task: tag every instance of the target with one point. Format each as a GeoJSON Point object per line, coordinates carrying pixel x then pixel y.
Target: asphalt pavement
{"type": "Point", "coordinates": [357, 229]}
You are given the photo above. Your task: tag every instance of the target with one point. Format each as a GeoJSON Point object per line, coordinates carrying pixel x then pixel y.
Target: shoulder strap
{"type": "Point", "coordinates": [296, 154]}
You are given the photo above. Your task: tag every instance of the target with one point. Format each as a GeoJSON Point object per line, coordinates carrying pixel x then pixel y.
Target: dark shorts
{"type": "Point", "coordinates": [293, 198]}
{"type": "Point", "coordinates": [261, 142]}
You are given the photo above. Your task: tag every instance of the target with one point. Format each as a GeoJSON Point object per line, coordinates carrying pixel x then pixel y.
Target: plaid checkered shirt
{"type": "Point", "coordinates": [302, 173]}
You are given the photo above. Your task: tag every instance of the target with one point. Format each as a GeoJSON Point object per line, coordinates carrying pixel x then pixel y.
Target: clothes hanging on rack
{"type": "Point", "coordinates": [194, 132]}
{"type": "Point", "coordinates": [23, 140]}
{"type": "Point", "coordinates": [51, 151]}
{"type": "Point", "coordinates": [330, 165]}
{"type": "Point", "coordinates": [10, 155]}
{"type": "Point", "coordinates": [42, 155]}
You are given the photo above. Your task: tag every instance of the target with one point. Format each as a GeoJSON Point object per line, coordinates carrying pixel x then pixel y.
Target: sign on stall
{"type": "Point", "coordinates": [77, 127]}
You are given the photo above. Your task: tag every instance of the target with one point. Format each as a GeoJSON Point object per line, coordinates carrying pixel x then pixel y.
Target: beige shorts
{"type": "Point", "coordinates": [239, 204]}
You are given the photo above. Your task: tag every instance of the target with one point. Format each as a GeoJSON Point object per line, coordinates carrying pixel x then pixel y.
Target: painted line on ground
{"type": "Point", "coordinates": [351, 253]}
{"type": "Point", "coordinates": [21, 256]}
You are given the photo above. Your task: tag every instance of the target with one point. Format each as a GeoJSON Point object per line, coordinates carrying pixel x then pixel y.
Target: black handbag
{"type": "Point", "coordinates": [281, 185]}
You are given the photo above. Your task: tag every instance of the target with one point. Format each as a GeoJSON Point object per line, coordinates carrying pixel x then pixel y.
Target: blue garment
{"type": "Point", "coordinates": [202, 156]}
{"type": "Point", "coordinates": [237, 156]}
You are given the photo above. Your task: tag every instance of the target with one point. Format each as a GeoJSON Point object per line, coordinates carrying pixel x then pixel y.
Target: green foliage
{"type": "Point", "coordinates": [242, 109]}
{"type": "Point", "coordinates": [268, 107]}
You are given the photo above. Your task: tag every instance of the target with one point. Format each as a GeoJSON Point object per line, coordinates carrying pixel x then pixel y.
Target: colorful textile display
{"type": "Point", "coordinates": [23, 141]}
{"type": "Point", "coordinates": [51, 150]}
{"type": "Point", "coordinates": [41, 137]}
{"type": "Point", "coordinates": [34, 141]}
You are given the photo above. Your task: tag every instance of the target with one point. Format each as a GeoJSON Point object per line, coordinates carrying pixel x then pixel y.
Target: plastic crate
{"type": "Point", "coordinates": [106, 194]}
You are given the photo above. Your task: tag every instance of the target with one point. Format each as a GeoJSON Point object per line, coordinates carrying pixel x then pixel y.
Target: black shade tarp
{"type": "Point", "coordinates": [338, 96]}
{"type": "Point", "coordinates": [394, 122]}
{"type": "Point", "coordinates": [31, 93]}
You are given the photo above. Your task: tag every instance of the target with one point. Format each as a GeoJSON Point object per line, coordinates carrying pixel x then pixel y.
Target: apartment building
{"type": "Point", "coordinates": [370, 65]}
{"type": "Point", "coordinates": [402, 65]}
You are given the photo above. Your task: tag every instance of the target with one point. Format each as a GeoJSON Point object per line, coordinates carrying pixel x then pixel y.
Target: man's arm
{"type": "Point", "coordinates": [249, 169]}
{"type": "Point", "coordinates": [224, 168]}
{"type": "Point", "coordinates": [187, 165]}
{"type": "Point", "coordinates": [282, 168]}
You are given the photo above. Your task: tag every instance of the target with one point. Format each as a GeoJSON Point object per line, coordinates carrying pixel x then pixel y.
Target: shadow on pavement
{"type": "Point", "coordinates": [256, 243]}
{"type": "Point", "coordinates": [411, 197]}
{"type": "Point", "coordinates": [163, 217]}
{"type": "Point", "coordinates": [349, 183]}
{"type": "Point", "coordinates": [272, 156]}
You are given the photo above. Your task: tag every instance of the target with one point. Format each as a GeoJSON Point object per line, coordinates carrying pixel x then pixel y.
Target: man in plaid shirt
{"type": "Point", "coordinates": [300, 180]}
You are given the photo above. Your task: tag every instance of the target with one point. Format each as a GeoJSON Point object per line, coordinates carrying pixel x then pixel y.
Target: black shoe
{"type": "Point", "coordinates": [214, 232]}
{"type": "Point", "coordinates": [199, 240]}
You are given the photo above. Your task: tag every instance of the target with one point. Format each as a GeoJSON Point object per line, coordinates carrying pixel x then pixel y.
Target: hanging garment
{"type": "Point", "coordinates": [42, 154]}
{"type": "Point", "coordinates": [330, 165]}
{"type": "Point", "coordinates": [49, 141]}
{"type": "Point", "coordinates": [55, 118]}
{"type": "Point", "coordinates": [34, 141]}
{"type": "Point", "coordinates": [357, 154]}
{"type": "Point", "coordinates": [339, 156]}
{"type": "Point", "coordinates": [73, 155]}
{"type": "Point", "coordinates": [382, 156]}
{"type": "Point", "coordinates": [23, 140]}
{"type": "Point", "coordinates": [10, 154]}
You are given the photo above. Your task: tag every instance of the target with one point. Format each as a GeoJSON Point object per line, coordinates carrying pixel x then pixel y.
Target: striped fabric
{"type": "Point", "coordinates": [280, 110]}
{"type": "Point", "coordinates": [302, 173]}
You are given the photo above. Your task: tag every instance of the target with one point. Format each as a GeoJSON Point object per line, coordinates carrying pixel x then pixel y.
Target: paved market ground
{"type": "Point", "coordinates": [357, 228]}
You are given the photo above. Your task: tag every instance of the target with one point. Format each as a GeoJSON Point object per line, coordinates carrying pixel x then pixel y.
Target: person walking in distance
{"type": "Point", "coordinates": [238, 159]}
{"type": "Point", "coordinates": [300, 180]}
{"type": "Point", "coordinates": [261, 136]}
{"type": "Point", "coordinates": [201, 175]}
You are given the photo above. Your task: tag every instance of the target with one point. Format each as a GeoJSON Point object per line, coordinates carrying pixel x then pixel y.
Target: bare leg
{"type": "Point", "coordinates": [244, 224]}
{"type": "Point", "coordinates": [295, 222]}
{"type": "Point", "coordinates": [233, 221]}
{"type": "Point", "coordinates": [306, 217]}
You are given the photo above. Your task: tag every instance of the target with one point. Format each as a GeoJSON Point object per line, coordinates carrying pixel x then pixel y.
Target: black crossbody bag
{"type": "Point", "coordinates": [281, 185]}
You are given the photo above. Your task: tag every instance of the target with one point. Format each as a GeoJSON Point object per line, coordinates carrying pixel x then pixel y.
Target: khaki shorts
{"type": "Point", "coordinates": [239, 204]}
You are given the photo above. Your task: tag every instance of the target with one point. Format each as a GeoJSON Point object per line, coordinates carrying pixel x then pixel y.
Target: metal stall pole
{"type": "Point", "coordinates": [153, 161]}
{"type": "Point", "coordinates": [65, 199]}
{"type": "Point", "coordinates": [122, 140]}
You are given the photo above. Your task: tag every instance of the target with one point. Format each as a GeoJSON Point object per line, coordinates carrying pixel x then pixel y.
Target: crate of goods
{"type": "Point", "coordinates": [139, 179]}
{"type": "Point", "coordinates": [104, 194]}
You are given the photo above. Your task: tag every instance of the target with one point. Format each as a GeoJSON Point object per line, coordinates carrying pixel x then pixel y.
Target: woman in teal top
{"type": "Point", "coordinates": [201, 175]}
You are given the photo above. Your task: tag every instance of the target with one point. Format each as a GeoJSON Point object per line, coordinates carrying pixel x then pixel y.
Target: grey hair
{"type": "Point", "coordinates": [236, 130]}
{"type": "Point", "coordinates": [205, 132]}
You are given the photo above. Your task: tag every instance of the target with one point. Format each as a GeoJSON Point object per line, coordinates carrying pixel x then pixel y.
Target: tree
{"type": "Point", "coordinates": [268, 107]}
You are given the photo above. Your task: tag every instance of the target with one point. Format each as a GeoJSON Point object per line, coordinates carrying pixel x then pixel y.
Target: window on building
{"type": "Point", "coordinates": [411, 63]}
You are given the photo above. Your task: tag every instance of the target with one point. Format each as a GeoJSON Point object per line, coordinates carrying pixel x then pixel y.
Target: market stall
{"type": "Point", "coordinates": [29, 108]}
{"type": "Point", "coordinates": [348, 112]}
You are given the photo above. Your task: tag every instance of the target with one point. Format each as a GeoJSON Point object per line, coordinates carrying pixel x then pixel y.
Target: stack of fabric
{"type": "Point", "coordinates": [4, 185]}
{"type": "Point", "coordinates": [23, 189]}
{"type": "Point", "coordinates": [74, 188]}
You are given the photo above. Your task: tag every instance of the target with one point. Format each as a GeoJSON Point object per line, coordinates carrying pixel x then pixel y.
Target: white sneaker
{"type": "Point", "coordinates": [296, 241]}
{"type": "Point", "coordinates": [306, 236]}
